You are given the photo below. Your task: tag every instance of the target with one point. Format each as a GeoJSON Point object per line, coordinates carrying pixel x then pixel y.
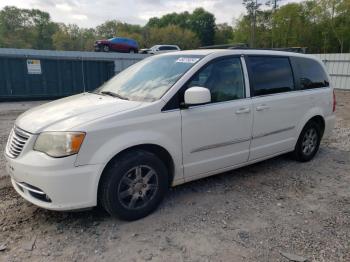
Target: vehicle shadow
{"type": "Point", "coordinates": [253, 177]}
{"type": "Point", "coordinates": [89, 218]}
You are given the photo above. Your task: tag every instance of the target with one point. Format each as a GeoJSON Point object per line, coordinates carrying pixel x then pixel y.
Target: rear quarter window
{"type": "Point", "coordinates": [311, 73]}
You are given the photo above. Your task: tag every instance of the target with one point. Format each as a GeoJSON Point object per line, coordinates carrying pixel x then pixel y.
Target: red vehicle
{"type": "Point", "coordinates": [117, 44]}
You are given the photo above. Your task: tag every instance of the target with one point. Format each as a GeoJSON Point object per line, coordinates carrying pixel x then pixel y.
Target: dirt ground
{"type": "Point", "coordinates": [250, 214]}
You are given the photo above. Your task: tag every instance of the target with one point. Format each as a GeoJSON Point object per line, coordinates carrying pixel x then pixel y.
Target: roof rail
{"type": "Point", "coordinates": [226, 46]}
{"type": "Point", "coordinates": [301, 50]}
{"type": "Point", "coordinates": [243, 46]}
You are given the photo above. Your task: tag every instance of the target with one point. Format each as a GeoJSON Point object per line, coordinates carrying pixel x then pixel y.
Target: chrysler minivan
{"type": "Point", "coordinates": [167, 120]}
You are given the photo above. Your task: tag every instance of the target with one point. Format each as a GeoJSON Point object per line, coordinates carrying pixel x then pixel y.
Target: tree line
{"type": "Point", "coordinates": [323, 26]}
{"type": "Point", "coordinates": [320, 25]}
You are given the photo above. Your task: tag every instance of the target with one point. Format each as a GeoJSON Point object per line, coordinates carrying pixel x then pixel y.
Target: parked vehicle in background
{"type": "Point", "coordinates": [117, 44]}
{"type": "Point", "coordinates": [144, 50]}
{"type": "Point", "coordinates": [159, 49]}
{"type": "Point", "coordinates": [167, 120]}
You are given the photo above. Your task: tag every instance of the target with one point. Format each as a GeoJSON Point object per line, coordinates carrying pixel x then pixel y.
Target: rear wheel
{"type": "Point", "coordinates": [134, 185]}
{"type": "Point", "coordinates": [308, 142]}
{"type": "Point", "coordinates": [132, 51]}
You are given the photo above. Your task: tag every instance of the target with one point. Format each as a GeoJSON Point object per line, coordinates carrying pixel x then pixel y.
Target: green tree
{"type": "Point", "coordinates": [108, 29]}
{"type": "Point", "coordinates": [71, 37]}
{"type": "Point", "coordinates": [202, 23]}
{"type": "Point", "coordinates": [241, 30]}
{"type": "Point", "coordinates": [179, 19]}
{"type": "Point", "coordinates": [43, 28]}
{"type": "Point", "coordinates": [25, 28]}
{"type": "Point", "coordinates": [223, 34]}
{"type": "Point", "coordinates": [336, 17]}
{"type": "Point", "coordinates": [173, 34]}
{"type": "Point", "coordinates": [252, 7]}
{"type": "Point", "coordinates": [288, 22]}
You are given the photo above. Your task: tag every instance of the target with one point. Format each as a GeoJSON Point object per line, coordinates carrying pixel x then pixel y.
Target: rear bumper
{"type": "Point", "coordinates": [54, 186]}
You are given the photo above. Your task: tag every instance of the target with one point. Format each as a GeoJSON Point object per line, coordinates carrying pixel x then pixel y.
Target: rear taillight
{"type": "Point", "coordinates": [334, 101]}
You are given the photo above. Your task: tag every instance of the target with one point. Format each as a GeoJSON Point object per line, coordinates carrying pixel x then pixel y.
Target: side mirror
{"type": "Point", "coordinates": [197, 95]}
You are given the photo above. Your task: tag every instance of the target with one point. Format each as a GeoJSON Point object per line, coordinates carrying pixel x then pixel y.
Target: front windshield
{"type": "Point", "coordinates": [149, 79]}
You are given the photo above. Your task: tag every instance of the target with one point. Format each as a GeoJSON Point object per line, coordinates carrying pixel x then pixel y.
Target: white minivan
{"type": "Point", "coordinates": [159, 49]}
{"type": "Point", "coordinates": [167, 120]}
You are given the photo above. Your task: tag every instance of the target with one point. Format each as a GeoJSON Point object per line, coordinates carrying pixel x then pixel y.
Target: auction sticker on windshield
{"type": "Point", "coordinates": [187, 60]}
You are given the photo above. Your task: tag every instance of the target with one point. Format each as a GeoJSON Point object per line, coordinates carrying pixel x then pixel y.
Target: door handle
{"type": "Point", "coordinates": [243, 110]}
{"type": "Point", "coordinates": [262, 107]}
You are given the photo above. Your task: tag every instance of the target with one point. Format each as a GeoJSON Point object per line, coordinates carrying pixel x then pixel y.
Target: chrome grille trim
{"type": "Point", "coordinates": [16, 142]}
{"type": "Point", "coordinates": [30, 188]}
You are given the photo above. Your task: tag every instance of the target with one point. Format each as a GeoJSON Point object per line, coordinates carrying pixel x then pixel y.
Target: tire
{"type": "Point", "coordinates": [105, 48]}
{"type": "Point", "coordinates": [132, 51]}
{"type": "Point", "coordinates": [133, 185]}
{"type": "Point", "coordinates": [308, 142]}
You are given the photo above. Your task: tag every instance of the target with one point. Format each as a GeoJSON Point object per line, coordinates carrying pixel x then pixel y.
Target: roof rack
{"type": "Point", "coordinates": [243, 46]}
{"type": "Point", "coordinates": [301, 50]}
{"type": "Point", "coordinates": [226, 46]}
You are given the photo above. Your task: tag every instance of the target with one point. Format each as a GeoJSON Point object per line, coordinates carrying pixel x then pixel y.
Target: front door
{"type": "Point", "coordinates": [217, 135]}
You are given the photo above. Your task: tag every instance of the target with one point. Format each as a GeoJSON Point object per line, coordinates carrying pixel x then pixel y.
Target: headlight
{"type": "Point", "coordinates": [59, 144]}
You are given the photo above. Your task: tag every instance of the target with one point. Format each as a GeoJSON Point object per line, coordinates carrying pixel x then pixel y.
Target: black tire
{"type": "Point", "coordinates": [120, 185]}
{"type": "Point", "coordinates": [132, 51]}
{"type": "Point", "coordinates": [308, 142]}
{"type": "Point", "coordinates": [106, 48]}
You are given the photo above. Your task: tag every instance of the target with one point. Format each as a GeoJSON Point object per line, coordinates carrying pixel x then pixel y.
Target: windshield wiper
{"type": "Point", "coordinates": [109, 93]}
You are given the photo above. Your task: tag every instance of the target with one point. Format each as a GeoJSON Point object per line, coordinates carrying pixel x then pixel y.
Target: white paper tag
{"type": "Point", "coordinates": [187, 60]}
{"type": "Point", "coordinates": [33, 67]}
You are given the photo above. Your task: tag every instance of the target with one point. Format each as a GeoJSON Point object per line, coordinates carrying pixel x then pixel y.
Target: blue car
{"type": "Point", "coordinates": [117, 44]}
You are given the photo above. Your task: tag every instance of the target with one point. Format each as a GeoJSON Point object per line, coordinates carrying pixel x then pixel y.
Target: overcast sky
{"type": "Point", "coordinates": [89, 13]}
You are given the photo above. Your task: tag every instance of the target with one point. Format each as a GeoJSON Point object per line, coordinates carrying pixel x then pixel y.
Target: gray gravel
{"type": "Point", "coordinates": [255, 213]}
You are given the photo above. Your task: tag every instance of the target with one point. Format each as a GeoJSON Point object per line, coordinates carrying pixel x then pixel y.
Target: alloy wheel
{"type": "Point", "coordinates": [309, 143]}
{"type": "Point", "coordinates": [137, 187]}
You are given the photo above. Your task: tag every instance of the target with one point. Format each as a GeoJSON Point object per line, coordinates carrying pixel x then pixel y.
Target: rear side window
{"type": "Point", "coordinates": [270, 75]}
{"type": "Point", "coordinates": [168, 48]}
{"type": "Point", "coordinates": [311, 73]}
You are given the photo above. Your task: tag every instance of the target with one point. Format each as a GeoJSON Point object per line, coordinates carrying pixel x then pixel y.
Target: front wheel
{"type": "Point", "coordinates": [308, 142]}
{"type": "Point", "coordinates": [133, 185]}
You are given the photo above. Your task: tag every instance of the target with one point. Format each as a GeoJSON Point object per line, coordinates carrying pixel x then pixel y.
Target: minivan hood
{"type": "Point", "coordinates": [66, 113]}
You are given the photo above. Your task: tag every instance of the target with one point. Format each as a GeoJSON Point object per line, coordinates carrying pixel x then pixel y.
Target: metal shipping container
{"type": "Point", "coordinates": [39, 74]}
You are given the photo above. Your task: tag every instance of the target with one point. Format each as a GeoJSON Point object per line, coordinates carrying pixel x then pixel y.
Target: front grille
{"type": "Point", "coordinates": [16, 142]}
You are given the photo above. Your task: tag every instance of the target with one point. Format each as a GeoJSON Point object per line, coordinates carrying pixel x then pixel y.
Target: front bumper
{"type": "Point", "coordinates": [98, 47]}
{"type": "Point", "coordinates": [54, 183]}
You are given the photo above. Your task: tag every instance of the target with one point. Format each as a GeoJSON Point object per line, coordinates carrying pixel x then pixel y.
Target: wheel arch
{"type": "Point", "coordinates": [158, 150]}
{"type": "Point", "coordinates": [320, 121]}
{"type": "Point", "coordinates": [317, 117]}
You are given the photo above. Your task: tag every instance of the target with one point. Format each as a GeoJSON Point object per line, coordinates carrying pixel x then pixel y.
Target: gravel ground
{"type": "Point", "coordinates": [250, 214]}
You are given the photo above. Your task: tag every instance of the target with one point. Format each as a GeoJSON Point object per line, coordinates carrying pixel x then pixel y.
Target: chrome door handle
{"type": "Point", "coordinates": [262, 107]}
{"type": "Point", "coordinates": [243, 110]}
